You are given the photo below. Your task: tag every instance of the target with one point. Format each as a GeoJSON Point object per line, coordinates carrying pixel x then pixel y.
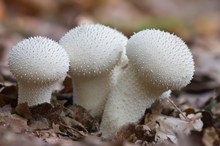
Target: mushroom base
{"type": "Point", "coordinates": [127, 102]}
{"type": "Point", "coordinates": [34, 94]}
{"type": "Point", "coordinates": [91, 93]}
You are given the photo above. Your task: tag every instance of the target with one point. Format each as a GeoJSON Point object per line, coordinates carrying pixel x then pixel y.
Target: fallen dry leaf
{"type": "Point", "coordinates": [82, 116]}
{"type": "Point", "coordinates": [166, 127]}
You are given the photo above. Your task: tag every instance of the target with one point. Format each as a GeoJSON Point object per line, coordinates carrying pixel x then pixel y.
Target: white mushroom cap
{"type": "Point", "coordinates": [161, 58]}
{"type": "Point", "coordinates": [93, 48]}
{"type": "Point", "coordinates": [38, 60]}
{"type": "Point", "coordinates": [37, 63]}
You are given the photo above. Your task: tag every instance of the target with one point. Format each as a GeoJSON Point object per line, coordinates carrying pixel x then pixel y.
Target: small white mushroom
{"type": "Point", "coordinates": [158, 62]}
{"type": "Point", "coordinates": [94, 50]}
{"type": "Point", "coordinates": [38, 63]}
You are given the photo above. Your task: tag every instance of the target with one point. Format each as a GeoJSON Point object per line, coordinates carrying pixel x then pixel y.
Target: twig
{"type": "Point", "coordinates": [178, 109]}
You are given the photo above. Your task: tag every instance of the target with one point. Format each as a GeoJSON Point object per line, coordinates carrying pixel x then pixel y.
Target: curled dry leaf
{"type": "Point", "coordinates": [82, 116]}
{"type": "Point", "coordinates": [166, 126]}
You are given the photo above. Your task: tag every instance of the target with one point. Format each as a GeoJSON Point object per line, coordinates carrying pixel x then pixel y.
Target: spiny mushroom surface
{"type": "Point", "coordinates": [161, 58]}
{"type": "Point", "coordinates": [158, 62]}
{"type": "Point", "coordinates": [37, 63]}
{"type": "Point", "coordinates": [94, 50]}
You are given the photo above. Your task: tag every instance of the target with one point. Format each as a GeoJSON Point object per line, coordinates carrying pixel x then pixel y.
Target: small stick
{"type": "Point", "coordinates": [178, 109]}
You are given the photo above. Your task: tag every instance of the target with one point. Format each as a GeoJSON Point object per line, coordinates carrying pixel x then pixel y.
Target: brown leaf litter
{"type": "Point", "coordinates": [73, 121]}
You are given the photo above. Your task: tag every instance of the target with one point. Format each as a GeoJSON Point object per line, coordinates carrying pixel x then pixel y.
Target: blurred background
{"type": "Point", "coordinates": [197, 22]}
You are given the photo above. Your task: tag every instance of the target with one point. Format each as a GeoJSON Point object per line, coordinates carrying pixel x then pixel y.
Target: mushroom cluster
{"type": "Point", "coordinates": [113, 77]}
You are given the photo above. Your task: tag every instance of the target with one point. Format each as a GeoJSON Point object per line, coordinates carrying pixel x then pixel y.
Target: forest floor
{"type": "Point", "coordinates": [194, 122]}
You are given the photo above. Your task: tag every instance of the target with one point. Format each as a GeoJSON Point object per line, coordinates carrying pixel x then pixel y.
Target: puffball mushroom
{"type": "Point", "coordinates": [158, 62]}
{"type": "Point", "coordinates": [37, 63]}
{"type": "Point", "coordinates": [94, 50]}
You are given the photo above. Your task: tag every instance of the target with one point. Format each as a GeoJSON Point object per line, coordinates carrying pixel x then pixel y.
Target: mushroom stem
{"type": "Point", "coordinates": [91, 93]}
{"type": "Point", "coordinates": [127, 101]}
{"type": "Point", "coordinates": [34, 94]}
